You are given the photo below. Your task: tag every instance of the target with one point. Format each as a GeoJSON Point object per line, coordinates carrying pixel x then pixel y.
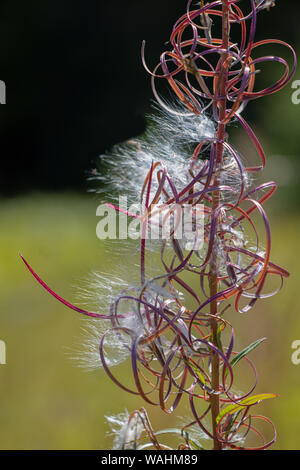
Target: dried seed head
{"type": "Point", "coordinates": [126, 430]}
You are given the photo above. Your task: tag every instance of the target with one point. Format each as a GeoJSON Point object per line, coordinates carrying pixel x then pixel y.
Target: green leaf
{"type": "Point", "coordinates": [198, 371]}
{"type": "Point", "coordinates": [245, 351]}
{"type": "Point", "coordinates": [192, 441]}
{"type": "Point", "coordinates": [231, 422]}
{"type": "Point", "coordinates": [230, 409]}
{"type": "Point", "coordinates": [182, 433]}
{"type": "Point", "coordinates": [219, 342]}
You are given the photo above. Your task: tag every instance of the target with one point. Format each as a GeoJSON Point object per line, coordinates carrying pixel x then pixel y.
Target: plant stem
{"type": "Point", "coordinates": [213, 281]}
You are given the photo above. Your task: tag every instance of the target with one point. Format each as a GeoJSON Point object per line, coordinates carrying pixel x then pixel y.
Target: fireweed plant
{"type": "Point", "coordinates": [185, 158]}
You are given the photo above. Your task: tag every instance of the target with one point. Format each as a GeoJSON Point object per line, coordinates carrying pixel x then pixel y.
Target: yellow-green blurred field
{"type": "Point", "coordinates": [46, 402]}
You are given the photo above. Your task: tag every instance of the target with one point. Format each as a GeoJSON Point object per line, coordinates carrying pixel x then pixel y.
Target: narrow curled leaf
{"type": "Point", "coordinates": [196, 368]}
{"type": "Point", "coordinates": [249, 401]}
{"type": "Point", "coordinates": [246, 351]}
{"type": "Point", "coordinates": [196, 444]}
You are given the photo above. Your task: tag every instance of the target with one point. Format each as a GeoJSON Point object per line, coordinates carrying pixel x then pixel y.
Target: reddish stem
{"type": "Point", "coordinates": [213, 281]}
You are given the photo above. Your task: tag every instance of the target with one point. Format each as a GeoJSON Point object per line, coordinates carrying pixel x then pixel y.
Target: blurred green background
{"type": "Point", "coordinates": [46, 401]}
